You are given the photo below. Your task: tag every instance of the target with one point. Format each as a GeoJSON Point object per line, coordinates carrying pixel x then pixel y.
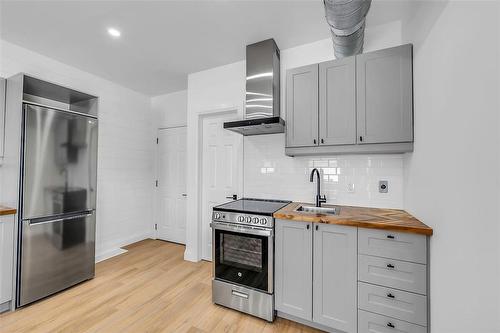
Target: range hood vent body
{"type": "Point", "coordinates": [262, 101]}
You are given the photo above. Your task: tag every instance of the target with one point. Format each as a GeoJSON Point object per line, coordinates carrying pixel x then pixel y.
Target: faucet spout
{"type": "Point", "coordinates": [319, 199]}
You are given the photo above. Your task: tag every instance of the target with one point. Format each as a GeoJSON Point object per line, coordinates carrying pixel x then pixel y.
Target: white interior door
{"type": "Point", "coordinates": [172, 184]}
{"type": "Point", "coordinates": [222, 171]}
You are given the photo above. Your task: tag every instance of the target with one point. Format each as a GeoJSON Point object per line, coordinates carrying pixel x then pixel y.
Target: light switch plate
{"type": "Point", "coordinates": [383, 186]}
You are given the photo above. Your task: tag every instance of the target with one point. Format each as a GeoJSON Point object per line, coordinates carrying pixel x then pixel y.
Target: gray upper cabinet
{"type": "Point", "coordinates": [337, 102]}
{"type": "Point", "coordinates": [335, 277]}
{"type": "Point", "coordinates": [385, 96]}
{"type": "Point", "coordinates": [2, 115]}
{"type": "Point", "coordinates": [293, 268]}
{"type": "Point", "coordinates": [302, 106]}
{"type": "Point", "coordinates": [364, 105]}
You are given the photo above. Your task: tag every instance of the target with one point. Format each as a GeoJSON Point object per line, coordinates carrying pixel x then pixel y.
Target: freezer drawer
{"type": "Point", "coordinates": [55, 254]}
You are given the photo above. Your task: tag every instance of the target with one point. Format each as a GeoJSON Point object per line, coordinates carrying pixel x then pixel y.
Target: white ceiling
{"type": "Point", "coordinates": [163, 41]}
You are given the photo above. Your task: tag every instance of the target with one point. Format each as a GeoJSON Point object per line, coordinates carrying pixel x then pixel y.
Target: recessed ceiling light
{"type": "Point", "coordinates": [114, 32]}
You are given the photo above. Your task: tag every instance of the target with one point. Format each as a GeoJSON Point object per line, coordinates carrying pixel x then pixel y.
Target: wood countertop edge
{"type": "Point", "coordinates": [414, 226]}
{"type": "Point", "coordinates": [7, 211]}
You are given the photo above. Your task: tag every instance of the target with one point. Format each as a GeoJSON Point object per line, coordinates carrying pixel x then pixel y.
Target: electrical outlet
{"type": "Point", "coordinates": [383, 186]}
{"type": "Point", "coordinates": [350, 188]}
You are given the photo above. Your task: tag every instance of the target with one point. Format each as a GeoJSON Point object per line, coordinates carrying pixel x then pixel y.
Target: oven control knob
{"type": "Point", "coordinates": [248, 219]}
{"type": "Point", "coordinates": [241, 218]}
{"type": "Point", "coordinates": [255, 220]}
{"type": "Point", "coordinates": [263, 221]}
{"type": "Point", "coordinates": [217, 216]}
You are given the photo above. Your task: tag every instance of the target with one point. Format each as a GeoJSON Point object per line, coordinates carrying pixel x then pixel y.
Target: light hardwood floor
{"type": "Point", "coordinates": [148, 289]}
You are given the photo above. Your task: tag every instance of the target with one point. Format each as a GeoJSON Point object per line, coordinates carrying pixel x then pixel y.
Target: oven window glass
{"type": "Point", "coordinates": [242, 259]}
{"type": "Point", "coordinates": [241, 251]}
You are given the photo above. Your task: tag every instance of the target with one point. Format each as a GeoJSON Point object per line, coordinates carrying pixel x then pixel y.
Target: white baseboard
{"type": "Point", "coordinates": [113, 248]}
{"type": "Point", "coordinates": [109, 254]}
{"type": "Point", "coordinates": [190, 256]}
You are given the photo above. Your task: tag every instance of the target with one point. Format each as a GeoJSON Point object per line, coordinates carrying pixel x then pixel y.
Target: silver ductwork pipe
{"type": "Point", "coordinates": [347, 25]}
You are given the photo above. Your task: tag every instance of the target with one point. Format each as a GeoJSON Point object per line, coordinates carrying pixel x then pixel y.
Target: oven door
{"type": "Point", "coordinates": [243, 255]}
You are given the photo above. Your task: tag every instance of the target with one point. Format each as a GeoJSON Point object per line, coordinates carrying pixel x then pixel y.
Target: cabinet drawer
{"type": "Point", "coordinates": [393, 303]}
{"type": "Point", "coordinates": [373, 323]}
{"type": "Point", "coordinates": [395, 245]}
{"type": "Point", "coordinates": [393, 273]}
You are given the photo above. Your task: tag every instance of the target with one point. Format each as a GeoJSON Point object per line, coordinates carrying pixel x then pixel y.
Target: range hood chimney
{"type": "Point", "coordinates": [262, 101]}
{"type": "Point", "coordinates": [346, 19]}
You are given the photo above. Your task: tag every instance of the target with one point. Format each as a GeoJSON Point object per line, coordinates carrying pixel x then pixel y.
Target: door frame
{"type": "Point", "coordinates": [199, 186]}
{"type": "Point", "coordinates": [156, 209]}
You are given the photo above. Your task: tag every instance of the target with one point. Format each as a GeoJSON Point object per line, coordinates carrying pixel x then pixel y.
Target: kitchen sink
{"type": "Point", "coordinates": [318, 210]}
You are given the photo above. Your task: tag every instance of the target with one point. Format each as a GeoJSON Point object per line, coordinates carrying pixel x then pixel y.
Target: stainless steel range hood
{"type": "Point", "coordinates": [262, 102]}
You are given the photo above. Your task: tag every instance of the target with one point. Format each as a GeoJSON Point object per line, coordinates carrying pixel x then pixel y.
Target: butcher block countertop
{"type": "Point", "coordinates": [7, 210]}
{"type": "Point", "coordinates": [363, 217]}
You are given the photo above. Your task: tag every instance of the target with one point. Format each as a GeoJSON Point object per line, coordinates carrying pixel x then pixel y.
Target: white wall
{"type": "Point", "coordinates": [224, 88]}
{"type": "Point", "coordinates": [452, 178]}
{"type": "Point", "coordinates": [125, 150]}
{"type": "Point", "coordinates": [170, 110]}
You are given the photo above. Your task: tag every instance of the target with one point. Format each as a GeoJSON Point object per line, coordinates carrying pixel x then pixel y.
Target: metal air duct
{"type": "Point", "coordinates": [347, 25]}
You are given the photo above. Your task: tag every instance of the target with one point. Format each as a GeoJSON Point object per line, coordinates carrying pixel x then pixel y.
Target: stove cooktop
{"type": "Point", "coordinates": [252, 206]}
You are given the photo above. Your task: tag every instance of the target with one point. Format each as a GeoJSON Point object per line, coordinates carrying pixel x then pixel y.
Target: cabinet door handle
{"type": "Point", "coordinates": [361, 139]}
{"type": "Point", "coordinates": [390, 295]}
{"type": "Point", "coordinates": [317, 227]}
{"type": "Point", "coordinates": [307, 227]}
{"type": "Point", "coordinates": [390, 236]}
{"type": "Point", "coordinates": [322, 141]}
{"type": "Point", "coordinates": [391, 325]}
{"type": "Point", "coordinates": [390, 266]}
{"type": "Point", "coordinates": [314, 141]}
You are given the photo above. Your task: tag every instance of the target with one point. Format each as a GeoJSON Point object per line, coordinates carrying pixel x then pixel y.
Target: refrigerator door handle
{"type": "Point", "coordinates": [71, 217]}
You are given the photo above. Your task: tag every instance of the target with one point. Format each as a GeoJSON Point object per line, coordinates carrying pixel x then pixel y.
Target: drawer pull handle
{"type": "Point", "coordinates": [391, 266]}
{"type": "Point", "coordinates": [390, 236]}
{"type": "Point", "coordinates": [390, 295]}
{"type": "Point", "coordinates": [391, 325]}
{"type": "Point", "coordinates": [238, 294]}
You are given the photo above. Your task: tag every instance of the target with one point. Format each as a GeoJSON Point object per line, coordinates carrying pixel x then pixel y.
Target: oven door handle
{"type": "Point", "coordinates": [245, 230]}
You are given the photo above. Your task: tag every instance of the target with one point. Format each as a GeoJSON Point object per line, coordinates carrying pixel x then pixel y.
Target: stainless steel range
{"type": "Point", "coordinates": [243, 255]}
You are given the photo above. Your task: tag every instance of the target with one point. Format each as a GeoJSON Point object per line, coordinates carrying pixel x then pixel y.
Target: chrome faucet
{"type": "Point", "coordinates": [319, 199]}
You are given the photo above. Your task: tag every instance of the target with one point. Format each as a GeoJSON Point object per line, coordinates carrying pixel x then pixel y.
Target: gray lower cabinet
{"type": "Point", "coordinates": [326, 296]}
{"type": "Point", "coordinates": [337, 102]}
{"type": "Point", "coordinates": [393, 282]}
{"type": "Point", "coordinates": [385, 95]}
{"type": "Point", "coordinates": [334, 276]}
{"type": "Point", "coordinates": [293, 268]}
{"type": "Point", "coordinates": [6, 260]}
{"type": "Point", "coordinates": [302, 106]}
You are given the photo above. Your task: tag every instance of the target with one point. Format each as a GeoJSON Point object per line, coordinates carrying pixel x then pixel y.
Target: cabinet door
{"type": "Point", "coordinates": [384, 95]}
{"type": "Point", "coordinates": [2, 114]}
{"type": "Point", "coordinates": [337, 102]}
{"type": "Point", "coordinates": [293, 268]}
{"type": "Point", "coordinates": [6, 257]}
{"type": "Point", "coordinates": [302, 106]}
{"type": "Point", "coordinates": [335, 277]}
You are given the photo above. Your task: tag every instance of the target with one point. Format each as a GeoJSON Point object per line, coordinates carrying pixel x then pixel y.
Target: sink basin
{"type": "Point", "coordinates": [319, 210]}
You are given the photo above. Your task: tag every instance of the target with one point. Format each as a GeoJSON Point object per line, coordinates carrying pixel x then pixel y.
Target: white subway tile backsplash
{"type": "Point", "coordinates": [269, 173]}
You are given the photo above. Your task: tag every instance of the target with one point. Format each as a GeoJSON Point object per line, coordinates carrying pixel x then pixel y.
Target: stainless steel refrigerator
{"type": "Point", "coordinates": [58, 201]}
